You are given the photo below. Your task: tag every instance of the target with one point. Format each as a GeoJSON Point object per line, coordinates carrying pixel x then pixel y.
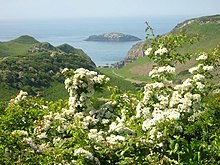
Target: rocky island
{"type": "Point", "coordinates": [113, 37]}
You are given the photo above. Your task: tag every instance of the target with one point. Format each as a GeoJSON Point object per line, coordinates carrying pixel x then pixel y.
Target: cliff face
{"type": "Point", "coordinates": [112, 37]}
{"type": "Point", "coordinates": [136, 51]}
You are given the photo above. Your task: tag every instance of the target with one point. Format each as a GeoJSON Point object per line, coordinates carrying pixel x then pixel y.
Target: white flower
{"type": "Point", "coordinates": [153, 72]}
{"type": "Point", "coordinates": [187, 84]}
{"type": "Point", "coordinates": [193, 69]}
{"type": "Point", "coordinates": [163, 100]}
{"type": "Point", "coordinates": [208, 68]}
{"type": "Point", "coordinates": [202, 57]}
{"type": "Point", "coordinates": [167, 68]}
{"type": "Point", "coordinates": [20, 132]}
{"type": "Point", "coordinates": [158, 85]}
{"type": "Point", "coordinates": [90, 120]}
{"type": "Point", "coordinates": [148, 124]}
{"type": "Point", "coordinates": [42, 135]}
{"type": "Point", "coordinates": [64, 70]}
{"type": "Point", "coordinates": [148, 51]}
{"type": "Point", "coordinates": [112, 139]}
{"type": "Point", "coordinates": [161, 51]}
{"type": "Point", "coordinates": [67, 82]}
{"type": "Point", "coordinates": [172, 114]}
{"type": "Point", "coordinates": [196, 97]}
{"type": "Point", "coordinates": [175, 99]}
{"type": "Point", "coordinates": [95, 135]}
{"type": "Point", "coordinates": [41, 147]}
{"type": "Point", "coordinates": [56, 140]}
{"type": "Point", "coordinates": [198, 77]}
{"type": "Point", "coordinates": [82, 152]}
{"type": "Point", "coordinates": [30, 142]}
{"type": "Point", "coordinates": [21, 96]}
{"type": "Point", "coordinates": [105, 121]}
{"type": "Point", "coordinates": [200, 86]}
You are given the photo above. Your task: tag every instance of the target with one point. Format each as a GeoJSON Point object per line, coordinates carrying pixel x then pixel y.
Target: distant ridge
{"type": "Point", "coordinates": [200, 20]}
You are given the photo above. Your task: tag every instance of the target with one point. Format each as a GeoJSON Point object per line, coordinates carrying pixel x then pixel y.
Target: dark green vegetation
{"type": "Point", "coordinates": [32, 66]}
{"type": "Point", "coordinates": [207, 29]}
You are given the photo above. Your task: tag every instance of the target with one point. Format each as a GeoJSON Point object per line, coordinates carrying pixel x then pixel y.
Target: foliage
{"type": "Point", "coordinates": [165, 123]}
{"type": "Point", "coordinates": [33, 66]}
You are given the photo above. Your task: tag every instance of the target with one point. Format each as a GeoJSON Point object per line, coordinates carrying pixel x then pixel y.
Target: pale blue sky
{"type": "Point", "coordinates": [66, 9]}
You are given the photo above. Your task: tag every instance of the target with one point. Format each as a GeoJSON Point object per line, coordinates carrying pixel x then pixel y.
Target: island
{"type": "Point", "coordinates": [113, 37]}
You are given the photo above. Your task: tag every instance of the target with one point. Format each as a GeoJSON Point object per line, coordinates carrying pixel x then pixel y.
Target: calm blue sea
{"type": "Point", "coordinates": [75, 31]}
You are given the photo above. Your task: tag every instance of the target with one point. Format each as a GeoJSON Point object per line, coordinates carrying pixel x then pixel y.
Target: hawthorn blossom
{"type": "Point", "coordinates": [95, 135]}
{"type": "Point", "coordinates": [167, 68]}
{"type": "Point", "coordinates": [148, 51]}
{"type": "Point", "coordinates": [64, 70]}
{"type": "Point", "coordinates": [202, 57]}
{"type": "Point", "coordinates": [208, 68]}
{"type": "Point", "coordinates": [83, 152]}
{"type": "Point", "coordinates": [20, 133]}
{"type": "Point", "coordinates": [21, 96]}
{"type": "Point", "coordinates": [161, 51]}
{"type": "Point", "coordinates": [198, 77]}
{"type": "Point", "coordinates": [112, 139]}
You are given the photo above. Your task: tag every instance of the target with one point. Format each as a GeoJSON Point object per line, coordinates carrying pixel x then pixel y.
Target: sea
{"type": "Point", "coordinates": [75, 31]}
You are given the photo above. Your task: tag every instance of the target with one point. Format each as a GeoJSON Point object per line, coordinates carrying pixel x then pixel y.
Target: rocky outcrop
{"type": "Point", "coordinates": [136, 51]}
{"type": "Point", "coordinates": [112, 37]}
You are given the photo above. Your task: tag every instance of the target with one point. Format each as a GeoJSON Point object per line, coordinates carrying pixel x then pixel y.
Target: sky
{"type": "Point", "coordinates": [71, 9]}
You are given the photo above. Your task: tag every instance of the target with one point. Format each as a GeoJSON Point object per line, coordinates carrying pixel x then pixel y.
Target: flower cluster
{"type": "Point", "coordinates": [156, 72]}
{"type": "Point", "coordinates": [162, 102]}
{"type": "Point", "coordinates": [21, 96]}
{"type": "Point", "coordinates": [148, 51]}
{"type": "Point", "coordinates": [161, 51]}
{"type": "Point", "coordinates": [81, 85]}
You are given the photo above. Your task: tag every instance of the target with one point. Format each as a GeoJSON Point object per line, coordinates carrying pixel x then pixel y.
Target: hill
{"type": "Point", "coordinates": [206, 28]}
{"type": "Point", "coordinates": [33, 66]}
{"type": "Point", "coordinates": [25, 39]}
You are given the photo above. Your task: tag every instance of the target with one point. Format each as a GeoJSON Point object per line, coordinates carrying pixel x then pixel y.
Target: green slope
{"type": "Point", "coordinates": [206, 28]}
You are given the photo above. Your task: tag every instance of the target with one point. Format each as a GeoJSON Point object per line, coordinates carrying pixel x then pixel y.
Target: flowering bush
{"type": "Point", "coordinates": [165, 124]}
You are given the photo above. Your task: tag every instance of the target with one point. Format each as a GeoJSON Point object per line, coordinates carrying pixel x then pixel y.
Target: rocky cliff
{"type": "Point", "coordinates": [136, 51]}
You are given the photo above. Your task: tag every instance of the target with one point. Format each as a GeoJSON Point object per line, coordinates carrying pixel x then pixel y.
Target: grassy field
{"type": "Point", "coordinates": [137, 71]}
{"type": "Point", "coordinates": [118, 81]}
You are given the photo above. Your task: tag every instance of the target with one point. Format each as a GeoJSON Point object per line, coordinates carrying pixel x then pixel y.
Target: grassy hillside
{"type": "Point", "coordinates": [206, 28]}
{"type": "Point", "coordinates": [26, 64]}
